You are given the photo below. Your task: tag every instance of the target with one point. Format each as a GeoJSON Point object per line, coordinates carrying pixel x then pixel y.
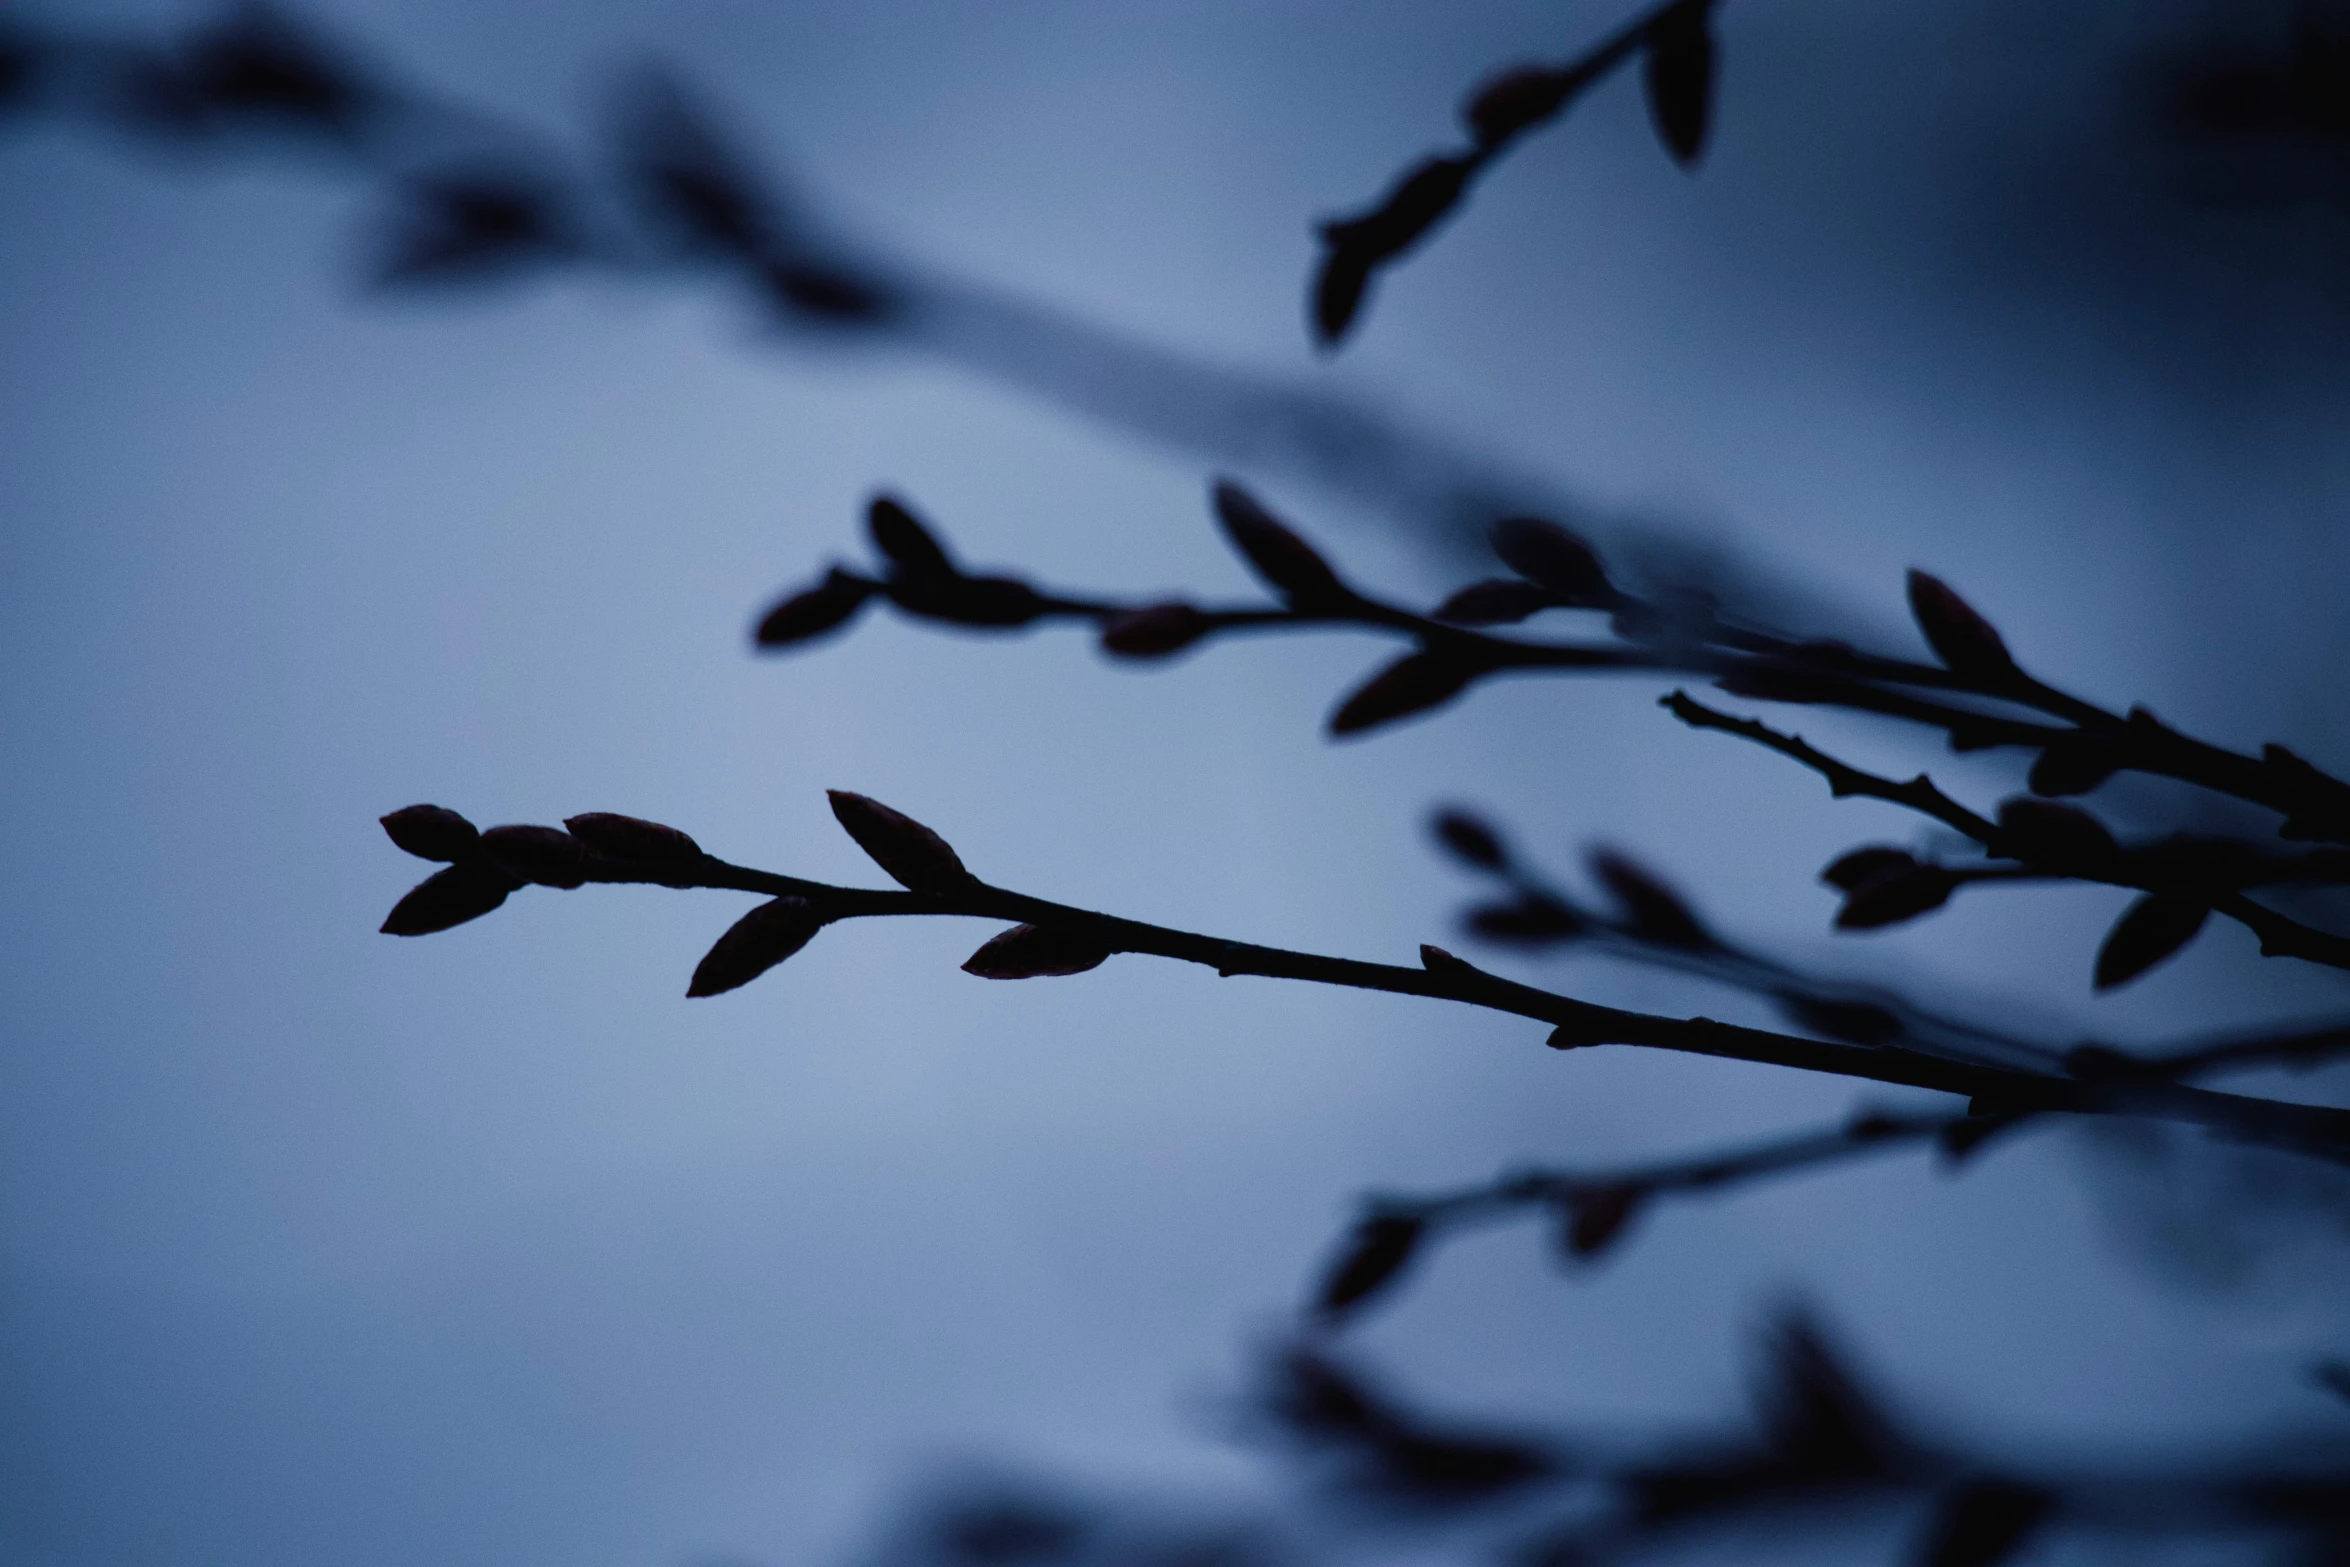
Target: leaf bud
{"type": "Point", "coordinates": [1545, 553]}
{"type": "Point", "coordinates": [547, 856]}
{"type": "Point", "coordinates": [754, 944]}
{"type": "Point", "coordinates": [915, 857]}
{"type": "Point", "coordinates": [1378, 1251]}
{"type": "Point", "coordinates": [449, 897]}
{"type": "Point", "coordinates": [1154, 631]}
{"type": "Point", "coordinates": [1036, 952]}
{"type": "Point", "coordinates": [1287, 563]}
{"type": "Point", "coordinates": [431, 832]}
{"type": "Point", "coordinates": [1966, 643]}
{"type": "Point", "coordinates": [911, 547]}
{"type": "Point", "coordinates": [809, 614]}
{"type": "Point", "coordinates": [632, 839]}
{"type": "Point", "coordinates": [1412, 684]}
{"type": "Point", "coordinates": [1895, 895]}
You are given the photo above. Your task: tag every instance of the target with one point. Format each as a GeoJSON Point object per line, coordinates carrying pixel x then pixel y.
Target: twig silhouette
{"type": "Point", "coordinates": [1674, 39]}
{"type": "Point", "coordinates": [2184, 877]}
{"type": "Point", "coordinates": [1049, 938]}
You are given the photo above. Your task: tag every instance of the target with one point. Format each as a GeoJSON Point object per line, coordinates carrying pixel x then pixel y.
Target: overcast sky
{"type": "Point", "coordinates": [320, 1246]}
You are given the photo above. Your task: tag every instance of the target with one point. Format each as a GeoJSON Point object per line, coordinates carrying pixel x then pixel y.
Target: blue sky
{"type": "Point", "coordinates": [317, 1245]}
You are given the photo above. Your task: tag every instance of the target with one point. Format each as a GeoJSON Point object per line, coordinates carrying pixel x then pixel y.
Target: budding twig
{"type": "Point", "coordinates": [912, 853]}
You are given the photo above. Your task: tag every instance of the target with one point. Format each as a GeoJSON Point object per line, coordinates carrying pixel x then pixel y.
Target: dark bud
{"type": "Point", "coordinates": [1597, 1217]}
{"type": "Point", "coordinates": [470, 226]}
{"type": "Point", "coordinates": [1412, 684]}
{"type": "Point", "coordinates": [1678, 69]}
{"type": "Point", "coordinates": [546, 856]}
{"type": "Point", "coordinates": [1982, 1524]}
{"type": "Point", "coordinates": [2075, 764]}
{"type": "Point", "coordinates": [689, 181]}
{"type": "Point", "coordinates": [1964, 641]}
{"type": "Point", "coordinates": [1444, 965]}
{"type": "Point", "coordinates": [259, 66]}
{"type": "Point", "coordinates": [1961, 1140]}
{"type": "Point", "coordinates": [1874, 1126]}
{"type": "Point", "coordinates": [1653, 910]}
{"type": "Point", "coordinates": [1036, 952]}
{"type": "Point", "coordinates": [909, 545]}
{"type": "Point", "coordinates": [1517, 100]}
{"type": "Point", "coordinates": [1287, 563]}
{"type": "Point", "coordinates": [1376, 1253]}
{"type": "Point", "coordinates": [449, 897]}
{"type": "Point", "coordinates": [1817, 1417]}
{"type": "Point", "coordinates": [1318, 1399]}
{"type": "Point", "coordinates": [2150, 931]}
{"type": "Point", "coordinates": [827, 606]}
{"type": "Point", "coordinates": [1855, 1022]}
{"type": "Point", "coordinates": [1532, 920]}
{"type": "Point", "coordinates": [1498, 602]}
{"type": "Point", "coordinates": [2333, 1376]}
{"type": "Point", "coordinates": [1356, 247]}
{"type": "Point", "coordinates": [915, 857]}
{"type": "Point", "coordinates": [632, 839]}
{"type": "Point", "coordinates": [1417, 200]}
{"type": "Point", "coordinates": [754, 944]}
{"type": "Point", "coordinates": [431, 832]}
{"type": "Point", "coordinates": [826, 293]}
{"type": "Point", "coordinates": [1470, 840]}
{"type": "Point", "coordinates": [21, 68]}
{"type": "Point", "coordinates": [1339, 287]}
{"type": "Point", "coordinates": [1902, 893]}
{"type": "Point", "coordinates": [1546, 553]}
{"type": "Point", "coordinates": [970, 601]}
{"type": "Point", "coordinates": [1154, 631]}
{"type": "Point", "coordinates": [2041, 832]}
{"type": "Point", "coordinates": [1848, 871]}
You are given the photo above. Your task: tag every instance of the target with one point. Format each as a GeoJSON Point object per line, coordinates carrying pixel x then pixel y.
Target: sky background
{"type": "Point", "coordinates": [319, 1246]}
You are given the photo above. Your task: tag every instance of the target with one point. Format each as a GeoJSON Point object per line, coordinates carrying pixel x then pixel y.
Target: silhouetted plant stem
{"type": "Point", "coordinates": [2321, 1131]}
{"type": "Point", "coordinates": [2279, 934]}
{"type": "Point", "coordinates": [2087, 745]}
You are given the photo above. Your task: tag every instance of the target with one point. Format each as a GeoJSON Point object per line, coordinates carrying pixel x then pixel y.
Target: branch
{"type": "Point", "coordinates": [1055, 938]}
{"type": "Point", "coordinates": [1655, 925]}
{"type": "Point", "coordinates": [1675, 35]}
{"type": "Point", "coordinates": [2047, 841]}
{"type": "Point", "coordinates": [1685, 633]}
{"type": "Point", "coordinates": [1591, 1210]}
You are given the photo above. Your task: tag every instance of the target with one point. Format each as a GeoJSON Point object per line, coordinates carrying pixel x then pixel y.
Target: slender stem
{"type": "Point", "coordinates": [2280, 935]}
{"type": "Point", "coordinates": [2317, 1130]}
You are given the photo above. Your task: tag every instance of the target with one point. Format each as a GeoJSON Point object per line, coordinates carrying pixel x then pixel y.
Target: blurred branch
{"type": "Point", "coordinates": [1590, 1210]}
{"type": "Point", "coordinates": [467, 198]}
{"type": "Point", "coordinates": [1822, 1446]}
